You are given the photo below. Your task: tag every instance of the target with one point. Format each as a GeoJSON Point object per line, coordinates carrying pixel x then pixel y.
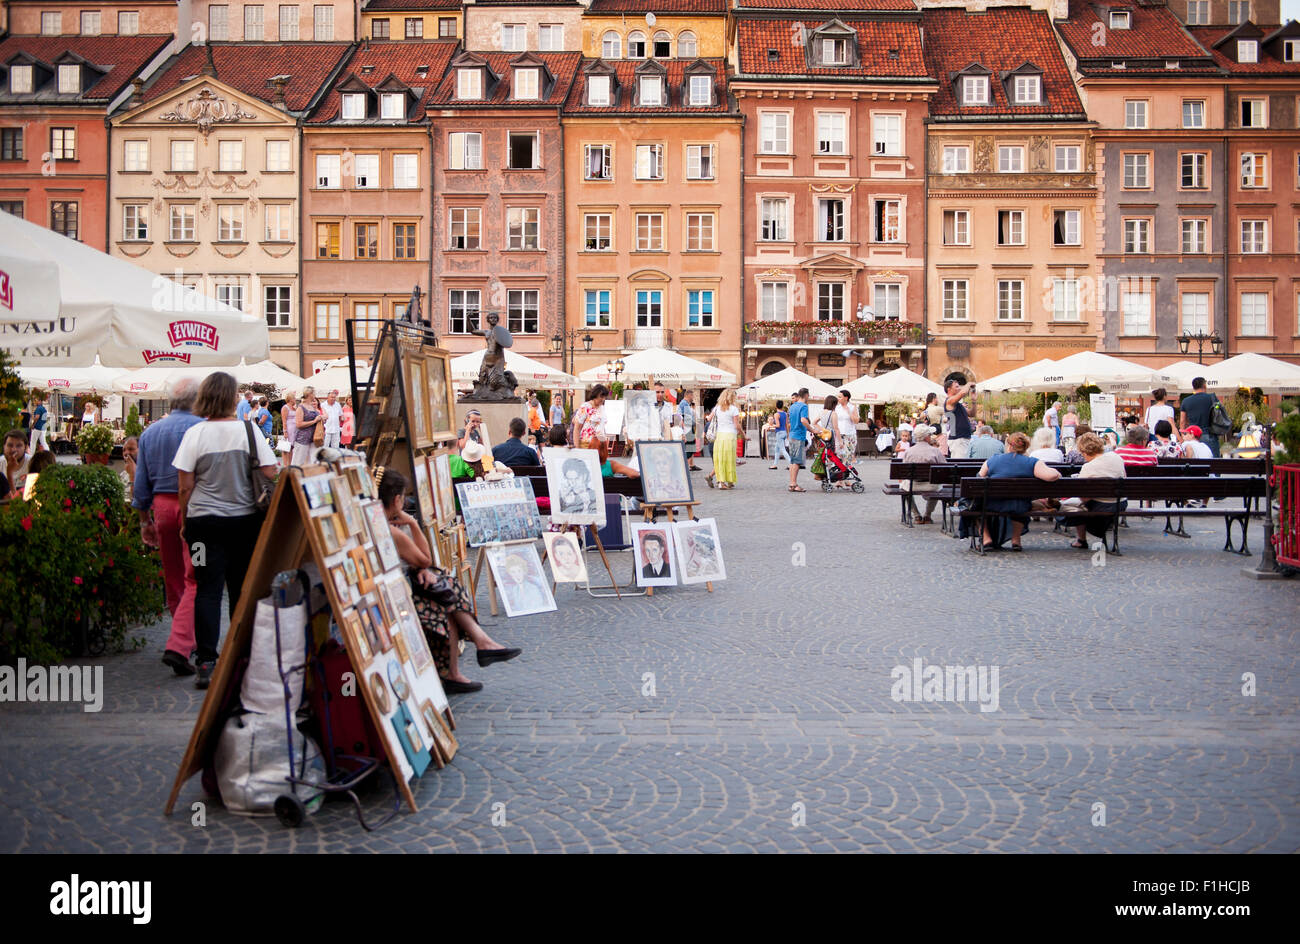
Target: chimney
{"type": "Point", "coordinates": [209, 67]}
{"type": "Point", "coordinates": [137, 93]}
{"type": "Point", "coordinates": [277, 96]}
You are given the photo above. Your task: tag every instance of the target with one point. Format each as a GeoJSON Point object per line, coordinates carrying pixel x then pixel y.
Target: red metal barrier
{"type": "Point", "coordinates": [1286, 485]}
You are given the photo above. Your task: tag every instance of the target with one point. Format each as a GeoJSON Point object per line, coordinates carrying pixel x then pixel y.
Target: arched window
{"type": "Point", "coordinates": [686, 45]}
{"type": "Point", "coordinates": [611, 45]}
{"type": "Point", "coordinates": [663, 45]}
{"type": "Point", "coordinates": [636, 45]}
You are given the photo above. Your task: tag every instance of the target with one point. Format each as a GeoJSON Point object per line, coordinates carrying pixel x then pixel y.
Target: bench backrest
{"type": "Point", "coordinates": [1152, 488]}
{"type": "Point", "coordinates": [616, 485]}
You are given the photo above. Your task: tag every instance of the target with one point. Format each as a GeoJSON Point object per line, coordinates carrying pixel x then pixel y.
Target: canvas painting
{"type": "Point", "coordinates": [441, 422]}
{"type": "Point", "coordinates": [567, 563]}
{"type": "Point", "coordinates": [699, 552]}
{"type": "Point", "coordinates": [499, 511]}
{"type": "Point", "coordinates": [444, 498]}
{"type": "Point", "coordinates": [520, 580]}
{"type": "Point", "coordinates": [664, 476]}
{"type": "Point", "coordinates": [575, 485]}
{"type": "Point", "coordinates": [639, 418]}
{"type": "Point", "coordinates": [424, 490]}
{"type": "Point", "coordinates": [417, 400]}
{"type": "Point", "coordinates": [357, 640]}
{"type": "Point", "coordinates": [653, 549]}
{"type": "Point", "coordinates": [381, 534]}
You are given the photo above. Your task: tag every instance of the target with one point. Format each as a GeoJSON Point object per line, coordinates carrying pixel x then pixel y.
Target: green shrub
{"type": "Point", "coordinates": [95, 440]}
{"type": "Point", "coordinates": [73, 554]}
{"type": "Point", "coordinates": [133, 426]}
{"type": "Point", "coordinates": [1287, 432]}
{"type": "Point", "coordinates": [12, 394]}
{"type": "Point", "coordinates": [616, 390]}
{"type": "Point", "coordinates": [544, 398]}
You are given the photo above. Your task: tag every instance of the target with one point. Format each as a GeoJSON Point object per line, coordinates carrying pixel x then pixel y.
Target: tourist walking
{"type": "Point", "coordinates": [690, 435]}
{"type": "Point", "coordinates": [1197, 410]}
{"type": "Point", "coordinates": [154, 498]}
{"type": "Point", "coordinates": [725, 413]}
{"type": "Point", "coordinates": [348, 424]}
{"type": "Point", "coordinates": [589, 422]}
{"type": "Point", "coordinates": [288, 421]}
{"type": "Point", "coordinates": [263, 419]}
{"type": "Point", "coordinates": [39, 417]}
{"type": "Point", "coordinates": [218, 507]}
{"type": "Point", "coordinates": [333, 412]}
{"type": "Point", "coordinates": [798, 437]}
{"type": "Point", "coordinates": [1159, 410]}
{"type": "Point", "coordinates": [847, 425]}
{"type": "Point", "coordinates": [306, 419]}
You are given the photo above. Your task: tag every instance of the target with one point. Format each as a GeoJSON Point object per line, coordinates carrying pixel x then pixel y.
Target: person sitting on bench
{"type": "Point", "coordinates": [1013, 464]}
{"type": "Point", "coordinates": [1097, 464]}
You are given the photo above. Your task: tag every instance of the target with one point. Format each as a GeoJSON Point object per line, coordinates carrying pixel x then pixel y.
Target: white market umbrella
{"type": "Point", "coordinates": [898, 384]}
{"type": "Point", "coordinates": [155, 383]}
{"type": "Point", "coordinates": [1087, 368]}
{"type": "Point", "coordinates": [1254, 370]}
{"type": "Point", "coordinates": [1012, 379]}
{"type": "Point", "coordinates": [530, 373]}
{"type": "Point", "coordinates": [782, 384]}
{"type": "Point", "coordinates": [1178, 375]}
{"type": "Point", "coordinates": [657, 363]}
{"type": "Point", "coordinates": [337, 376]}
{"type": "Point", "coordinates": [62, 304]}
{"type": "Point", "coordinates": [267, 372]}
{"type": "Point", "coordinates": [72, 380]}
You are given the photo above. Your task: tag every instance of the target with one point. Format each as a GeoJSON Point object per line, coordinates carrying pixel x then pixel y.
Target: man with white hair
{"type": "Point", "coordinates": [333, 411]}
{"type": "Point", "coordinates": [1052, 420]}
{"type": "Point", "coordinates": [154, 499]}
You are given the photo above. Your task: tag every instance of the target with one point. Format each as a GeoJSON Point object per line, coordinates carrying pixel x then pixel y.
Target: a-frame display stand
{"type": "Point", "coordinates": [688, 514]}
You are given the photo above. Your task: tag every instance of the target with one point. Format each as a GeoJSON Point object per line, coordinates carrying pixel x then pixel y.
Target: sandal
{"type": "Point", "coordinates": [709, 481]}
{"type": "Point", "coordinates": [796, 488]}
{"type": "Point", "coordinates": [1078, 546]}
{"type": "Point", "coordinates": [1016, 547]}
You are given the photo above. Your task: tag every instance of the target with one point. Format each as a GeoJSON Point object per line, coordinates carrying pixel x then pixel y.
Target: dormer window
{"type": "Point", "coordinates": [701, 91]}
{"type": "Point", "coordinates": [20, 80]}
{"type": "Point", "coordinates": [69, 79]}
{"type": "Point", "coordinates": [1028, 90]}
{"type": "Point", "coordinates": [527, 85]}
{"type": "Point", "coordinates": [1120, 19]}
{"type": "Point", "coordinates": [651, 90]}
{"type": "Point", "coordinates": [835, 52]}
{"type": "Point", "coordinates": [354, 106]}
{"type": "Point", "coordinates": [1247, 50]}
{"type": "Point", "coordinates": [598, 90]}
{"type": "Point", "coordinates": [1291, 50]}
{"type": "Point", "coordinates": [392, 106]}
{"type": "Point", "coordinates": [636, 45]}
{"type": "Point", "coordinates": [975, 90]}
{"type": "Point", "coordinates": [469, 84]}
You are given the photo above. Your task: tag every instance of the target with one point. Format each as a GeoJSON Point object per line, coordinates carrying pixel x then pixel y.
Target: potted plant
{"type": "Point", "coordinates": [95, 443]}
{"type": "Point", "coordinates": [133, 426]}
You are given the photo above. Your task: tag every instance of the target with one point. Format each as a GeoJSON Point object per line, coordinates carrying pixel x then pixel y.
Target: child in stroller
{"type": "Point", "coordinates": [838, 473]}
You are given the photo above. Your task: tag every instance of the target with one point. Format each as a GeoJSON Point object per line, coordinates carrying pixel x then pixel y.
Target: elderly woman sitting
{"type": "Point", "coordinates": [925, 449]}
{"type": "Point", "coordinates": [1043, 446]}
{"type": "Point", "coordinates": [1097, 464]}
{"type": "Point", "coordinates": [1013, 463]}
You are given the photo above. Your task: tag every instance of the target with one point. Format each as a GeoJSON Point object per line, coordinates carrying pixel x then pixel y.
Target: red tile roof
{"type": "Point", "coordinates": [625, 75]}
{"type": "Point", "coordinates": [380, 6]}
{"type": "Point", "coordinates": [756, 39]}
{"type": "Point", "coordinates": [563, 67]}
{"type": "Point", "coordinates": [856, 6]}
{"type": "Point", "coordinates": [1225, 58]}
{"type": "Point", "coordinates": [249, 67]}
{"type": "Point", "coordinates": [716, 7]}
{"type": "Point", "coordinates": [122, 56]}
{"type": "Point", "coordinates": [398, 60]}
{"type": "Point", "coordinates": [955, 38]}
{"type": "Point", "coordinates": [1155, 33]}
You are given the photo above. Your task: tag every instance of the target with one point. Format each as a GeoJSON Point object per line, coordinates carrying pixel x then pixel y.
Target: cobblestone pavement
{"type": "Point", "coordinates": [1119, 684]}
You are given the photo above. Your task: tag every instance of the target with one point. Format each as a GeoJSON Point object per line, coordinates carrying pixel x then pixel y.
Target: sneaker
{"type": "Point", "coordinates": [179, 664]}
{"type": "Point", "coordinates": [204, 674]}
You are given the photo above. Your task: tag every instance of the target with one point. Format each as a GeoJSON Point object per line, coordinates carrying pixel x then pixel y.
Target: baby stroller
{"type": "Point", "coordinates": [838, 473]}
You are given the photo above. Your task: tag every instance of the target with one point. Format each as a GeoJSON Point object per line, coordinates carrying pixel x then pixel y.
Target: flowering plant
{"type": "Point", "coordinates": [95, 440]}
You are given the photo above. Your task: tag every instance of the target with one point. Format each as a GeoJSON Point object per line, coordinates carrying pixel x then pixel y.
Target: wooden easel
{"type": "Point", "coordinates": [648, 512]}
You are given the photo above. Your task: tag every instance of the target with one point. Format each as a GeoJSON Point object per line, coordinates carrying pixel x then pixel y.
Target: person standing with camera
{"type": "Point", "coordinates": [959, 436]}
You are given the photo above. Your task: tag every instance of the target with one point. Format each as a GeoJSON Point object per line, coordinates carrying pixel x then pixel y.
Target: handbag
{"type": "Point", "coordinates": [1220, 422]}
{"type": "Point", "coordinates": [711, 431]}
{"type": "Point", "coordinates": [442, 591]}
{"type": "Point", "coordinates": [263, 488]}
{"type": "Point", "coordinates": [318, 431]}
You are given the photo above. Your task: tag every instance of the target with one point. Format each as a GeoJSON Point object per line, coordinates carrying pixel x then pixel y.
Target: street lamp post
{"type": "Point", "coordinates": [615, 367]}
{"type": "Point", "coordinates": [558, 341]}
{"type": "Point", "coordinates": [1200, 337]}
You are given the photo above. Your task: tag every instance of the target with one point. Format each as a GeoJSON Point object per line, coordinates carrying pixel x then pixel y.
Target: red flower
{"type": "Point", "coordinates": [72, 483]}
{"type": "Point", "coordinates": [27, 523]}
{"type": "Point", "coordinates": [110, 562]}
{"type": "Point", "coordinates": [67, 503]}
{"type": "Point", "coordinates": [77, 581]}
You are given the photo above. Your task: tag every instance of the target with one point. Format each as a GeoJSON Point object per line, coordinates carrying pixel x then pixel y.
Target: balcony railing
{"type": "Point", "coordinates": [639, 339]}
{"type": "Point", "coordinates": [834, 333]}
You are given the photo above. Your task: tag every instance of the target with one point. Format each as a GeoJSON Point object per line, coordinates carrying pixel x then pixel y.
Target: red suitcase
{"type": "Point", "coordinates": [345, 727]}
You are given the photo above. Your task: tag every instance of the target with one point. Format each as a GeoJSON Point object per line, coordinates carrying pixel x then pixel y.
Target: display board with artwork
{"type": "Point", "coordinates": [504, 510]}
{"type": "Point", "coordinates": [575, 485]}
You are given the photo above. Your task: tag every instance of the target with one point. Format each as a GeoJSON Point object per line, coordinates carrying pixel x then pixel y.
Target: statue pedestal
{"type": "Point", "coordinates": [497, 415]}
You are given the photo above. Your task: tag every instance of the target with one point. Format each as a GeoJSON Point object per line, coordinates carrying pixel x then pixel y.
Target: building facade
{"type": "Point", "coordinates": [647, 29]}
{"type": "Point", "coordinates": [1011, 268]}
{"type": "Point", "coordinates": [117, 18]}
{"type": "Point", "coordinates": [411, 20]}
{"type": "Point", "coordinates": [315, 22]}
{"type": "Point", "coordinates": [834, 192]}
{"type": "Point", "coordinates": [523, 26]}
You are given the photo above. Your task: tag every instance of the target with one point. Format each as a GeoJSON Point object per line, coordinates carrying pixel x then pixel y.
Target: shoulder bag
{"type": "Point", "coordinates": [263, 487]}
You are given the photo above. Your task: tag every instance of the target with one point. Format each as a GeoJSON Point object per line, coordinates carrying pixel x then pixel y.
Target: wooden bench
{"type": "Point", "coordinates": [1172, 489]}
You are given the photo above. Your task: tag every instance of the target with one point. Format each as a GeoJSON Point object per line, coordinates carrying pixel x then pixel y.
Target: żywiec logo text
{"type": "Point", "coordinates": [6, 290]}
{"type": "Point", "coordinates": [192, 334]}
{"type": "Point", "coordinates": [76, 897]}
{"type": "Point", "coordinates": [70, 683]}
{"type": "Point", "coordinates": [954, 683]}
{"type": "Point", "coordinates": [169, 356]}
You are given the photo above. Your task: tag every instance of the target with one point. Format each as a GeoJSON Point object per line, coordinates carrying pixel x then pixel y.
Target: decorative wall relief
{"type": "Point", "coordinates": [205, 110]}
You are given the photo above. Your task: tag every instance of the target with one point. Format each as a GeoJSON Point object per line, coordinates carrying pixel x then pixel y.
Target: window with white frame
{"type": "Point", "coordinates": [887, 300]}
{"type": "Point", "coordinates": [392, 106]}
{"type": "Point", "coordinates": [1254, 170]}
{"type": "Point", "coordinates": [1247, 50]}
{"type": "Point", "coordinates": [90, 23]}
{"type": "Point", "coordinates": [465, 150]}
{"type": "Point", "coordinates": [365, 170]}
{"type": "Point", "coordinates": [1135, 113]}
{"type": "Point", "coordinates": [887, 221]}
{"type": "Point", "coordinates": [278, 156]}
{"type": "Point", "coordinates": [887, 134]}
{"type": "Point", "coordinates": [597, 307]}
{"type": "Point", "coordinates": [699, 162]}
{"type": "Point", "coordinates": [51, 23]}
{"type": "Point", "coordinates": [699, 308]}
{"type": "Point", "coordinates": [1198, 12]}
{"type": "Point", "coordinates": [1137, 235]}
{"type": "Point", "coordinates": [527, 85]}
{"type": "Point", "coordinates": [1120, 19]}
{"type": "Point", "coordinates": [1254, 112]}
{"type": "Point", "coordinates": [1011, 300]}
{"type": "Point", "coordinates": [230, 156]}
{"type": "Point", "coordinates": [956, 227]}
{"type": "Point", "coordinates": [774, 301]}
{"type": "Point", "coordinates": [277, 305]}
{"type": "Point", "coordinates": [322, 23]}
{"type": "Point", "coordinates": [1011, 159]}
{"type": "Point", "coordinates": [366, 320]}
{"type": "Point", "coordinates": [974, 90]}
{"type": "Point", "coordinates": [466, 227]}
{"type": "Point", "coordinates": [514, 37]}
{"type": "Point", "coordinates": [956, 299]}
{"type": "Point", "coordinates": [11, 144]}
{"type": "Point", "coordinates": [279, 222]}
{"type": "Point", "coordinates": [1254, 236]}
{"type": "Point", "coordinates": [181, 219]}
{"type": "Point", "coordinates": [651, 91]}
{"type": "Point", "coordinates": [1238, 11]}
{"type": "Point", "coordinates": [649, 232]}
{"type": "Point", "coordinates": [20, 79]}
{"type": "Point", "coordinates": [523, 228]}
{"type": "Point", "coordinates": [636, 45]}
{"type": "Point", "coordinates": [1193, 236]}
{"type": "Point", "coordinates": [63, 144]}
{"type": "Point", "coordinates": [1192, 170]}
{"type": "Point", "coordinates": [128, 23]}
{"type": "Point", "coordinates": [328, 240]}
{"type": "Point", "coordinates": [687, 46]}
{"type": "Point", "coordinates": [463, 311]}
{"type": "Point", "coordinates": [1137, 171]}
{"type": "Point", "coordinates": [327, 172]}
{"type": "Point", "coordinates": [254, 24]}
{"type": "Point", "coordinates": [649, 162]}
{"type": "Point", "coordinates": [598, 161]}
{"type": "Point", "coordinates": [1136, 308]}
{"type": "Point", "coordinates": [232, 294]}
{"type": "Point", "coordinates": [611, 45]}
{"type": "Point", "coordinates": [406, 171]}
{"type": "Point", "coordinates": [1254, 314]}
{"type": "Point", "coordinates": [1065, 227]}
{"type": "Point", "coordinates": [649, 308]}
{"type": "Point", "coordinates": [1194, 312]}
{"type": "Point", "coordinates": [135, 155]}
{"type": "Point", "coordinates": [550, 37]}
{"type": "Point", "coordinates": [830, 219]}
{"type": "Point", "coordinates": [774, 132]}
{"type": "Point", "coordinates": [1068, 158]}
{"type": "Point", "coordinates": [69, 78]}
{"type": "Point", "coordinates": [446, 27]}
{"type": "Point", "coordinates": [598, 232]}
{"type": "Point", "coordinates": [1065, 299]}
{"type": "Point", "coordinates": [288, 16]}
{"type": "Point", "coordinates": [775, 219]}
{"type": "Point", "coordinates": [700, 91]}
{"type": "Point", "coordinates": [65, 218]}
{"type": "Point", "coordinates": [830, 301]}
{"type": "Point", "coordinates": [835, 52]}
{"type": "Point", "coordinates": [1011, 227]}
{"type": "Point", "coordinates": [523, 311]}
{"type": "Point", "coordinates": [325, 322]}
{"type": "Point", "coordinates": [469, 84]}
{"type": "Point", "coordinates": [1291, 50]}
{"type": "Point", "coordinates": [219, 22]}
{"type": "Point", "coordinates": [135, 221]}
{"type": "Point", "coordinates": [1194, 114]}
{"type": "Point", "coordinates": [365, 238]}
{"type": "Point", "coordinates": [413, 27]}
{"type": "Point", "coordinates": [956, 159]}
{"type": "Point", "coordinates": [598, 90]}
{"type": "Point", "coordinates": [523, 151]}
{"type": "Point", "coordinates": [182, 157]}
{"type": "Point", "coordinates": [230, 222]}
{"type": "Point", "coordinates": [405, 242]}
{"type": "Point", "coordinates": [699, 232]}
{"type": "Point", "coordinates": [831, 132]}
{"type": "Point", "coordinates": [1028, 90]}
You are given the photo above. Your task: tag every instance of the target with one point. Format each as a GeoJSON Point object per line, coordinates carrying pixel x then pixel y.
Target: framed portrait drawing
{"type": "Point", "coordinates": [356, 637]}
{"type": "Point", "coordinates": [421, 657]}
{"type": "Point", "coordinates": [341, 490]}
{"type": "Point", "coordinates": [640, 419]}
{"type": "Point", "coordinates": [365, 574]}
{"type": "Point", "coordinates": [416, 383]}
{"type": "Point", "coordinates": [664, 476]}
{"type": "Point", "coordinates": [342, 588]}
{"type": "Point", "coordinates": [444, 496]}
{"type": "Point", "coordinates": [699, 552]}
{"type": "Point", "coordinates": [652, 547]}
{"type": "Point", "coordinates": [575, 485]}
{"type": "Point", "coordinates": [435, 546]}
{"type": "Point", "coordinates": [519, 577]}
{"type": "Point", "coordinates": [424, 490]}
{"type": "Point", "coordinates": [567, 563]}
{"type": "Point", "coordinates": [443, 739]}
{"type": "Point", "coordinates": [380, 534]}
{"type": "Point", "coordinates": [441, 408]}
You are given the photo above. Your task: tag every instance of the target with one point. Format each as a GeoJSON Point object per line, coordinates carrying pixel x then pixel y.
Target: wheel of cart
{"type": "Point", "coordinates": [858, 488]}
{"type": "Point", "coordinates": [827, 486]}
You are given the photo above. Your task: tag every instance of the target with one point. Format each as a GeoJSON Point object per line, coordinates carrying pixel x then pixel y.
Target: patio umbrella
{"type": "Point", "coordinates": [156, 383]}
{"type": "Point", "coordinates": [897, 384]}
{"type": "Point", "coordinates": [657, 363]}
{"type": "Point", "coordinates": [780, 385]}
{"type": "Point", "coordinates": [268, 372]}
{"type": "Point", "coordinates": [337, 375]}
{"type": "Point", "coordinates": [72, 380]}
{"type": "Point", "coordinates": [1012, 379]}
{"type": "Point", "coordinates": [1085, 368]}
{"type": "Point", "coordinates": [63, 303]}
{"type": "Point", "coordinates": [530, 373]}
{"type": "Point", "coordinates": [1178, 375]}
{"type": "Point", "coordinates": [1254, 370]}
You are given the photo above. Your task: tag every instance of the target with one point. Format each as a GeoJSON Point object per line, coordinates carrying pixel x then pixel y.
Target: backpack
{"type": "Point", "coordinates": [1220, 422]}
